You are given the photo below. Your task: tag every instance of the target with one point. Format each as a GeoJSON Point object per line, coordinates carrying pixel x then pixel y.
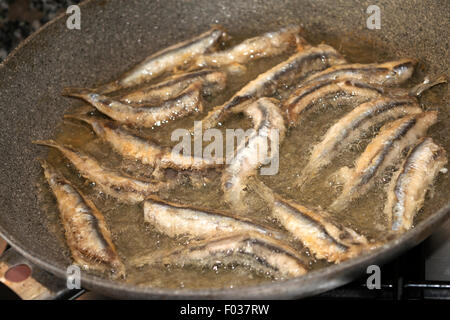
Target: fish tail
{"type": "Point", "coordinates": [79, 116]}
{"type": "Point", "coordinates": [48, 143]}
{"type": "Point", "coordinates": [427, 84]}
{"type": "Point", "coordinates": [75, 92]}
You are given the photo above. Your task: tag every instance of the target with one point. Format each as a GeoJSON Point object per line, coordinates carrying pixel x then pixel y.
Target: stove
{"type": "Point", "coordinates": [422, 273]}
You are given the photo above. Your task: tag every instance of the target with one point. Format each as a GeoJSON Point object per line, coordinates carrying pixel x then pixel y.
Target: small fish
{"type": "Point", "coordinates": [87, 234]}
{"type": "Point", "coordinates": [187, 102]}
{"type": "Point", "coordinates": [284, 74]}
{"type": "Point", "coordinates": [122, 187]}
{"type": "Point", "coordinates": [267, 122]}
{"type": "Point", "coordinates": [267, 45]}
{"type": "Point", "coordinates": [385, 148]}
{"type": "Point", "coordinates": [177, 56]}
{"type": "Point", "coordinates": [409, 185]}
{"type": "Point", "coordinates": [350, 127]}
{"type": "Point", "coordinates": [325, 239]}
{"type": "Point", "coordinates": [175, 220]}
{"type": "Point", "coordinates": [212, 81]}
{"type": "Point", "coordinates": [251, 249]}
{"type": "Point", "coordinates": [145, 150]}
{"type": "Point", "coordinates": [385, 74]}
{"type": "Point", "coordinates": [304, 98]}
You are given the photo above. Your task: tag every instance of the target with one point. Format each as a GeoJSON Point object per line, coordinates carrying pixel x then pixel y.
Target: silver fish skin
{"type": "Point", "coordinates": [86, 232]}
{"type": "Point", "coordinates": [384, 149]}
{"type": "Point", "coordinates": [147, 151]}
{"type": "Point", "coordinates": [211, 81]}
{"type": "Point", "coordinates": [302, 99]}
{"type": "Point", "coordinates": [409, 185]}
{"type": "Point", "coordinates": [187, 102]}
{"type": "Point", "coordinates": [350, 127]}
{"type": "Point", "coordinates": [386, 74]}
{"type": "Point", "coordinates": [307, 94]}
{"type": "Point", "coordinates": [324, 238]}
{"type": "Point", "coordinates": [177, 56]}
{"type": "Point", "coordinates": [285, 73]}
{"type": "Point", "coordinates": [267, 121]}
{"type": "Point", "coordinates": [123, 188]}
{"type": "Point", "coordinates": [175, 219]}
{"type": "Point", "coordinates": [121, 140]}
{"type": "Point", "coordinates": [251, 249]}
{"type": "Point", "coordinates": [267, 45]}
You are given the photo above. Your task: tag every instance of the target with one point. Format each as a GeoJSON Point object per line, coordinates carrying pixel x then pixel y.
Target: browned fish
{"type": "Point", "coordinates": [251, 249]}
{"type": "Point", "coordinates": [409, 185]}
{"type": "Point", "coordinates": [267, 45]}
{"type": "Point", "coordinates": [211, 81]}
{"type": "Point", "coordinates": [384, 149]}
{"type": "Point", "coordinates": [145, 150]}
{"type": "Point", "coordinates": [177, 56]}
{"type": "Point", "coordinates": [122, 187]}
{"type": "Point", "coordinates": [187, 102]}
{"type": "Point", "coordinates": [174, 219]}
{"type": "Point", "coordinates": [268, 132]}
{"type": "Point", "coordinates": [87, 234]}
{"type": "Point", "coordinates": [285, 73]}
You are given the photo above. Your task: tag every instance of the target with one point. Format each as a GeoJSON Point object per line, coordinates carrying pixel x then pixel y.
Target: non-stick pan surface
{"type": "Point", "coordinates": [117, 34]}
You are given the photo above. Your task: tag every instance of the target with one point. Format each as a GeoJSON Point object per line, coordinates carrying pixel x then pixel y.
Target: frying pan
{"type": "Point", "coordinates": [117, 34]}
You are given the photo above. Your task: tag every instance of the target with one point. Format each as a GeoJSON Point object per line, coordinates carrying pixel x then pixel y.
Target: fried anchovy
{"type": "Point", "coordinates": [267, 45]}
{"type": "Point", "coordinates": [409, 185]}
{"type": "Point", "coordinates": [400, 102]}
{"type": "Point", "coordinates": [187, 102]}
{"type": "Point", "coordinates": [283, 74]}
{"type": "Point", "coordinates": [385, 148]}
{"type": "Point", "coordinates": [304, 98]}
{"type": "Point", "coordinates": [255, 151]}
{"type": "Point", "coordinates": [249, 249]}
{"type": "Point", "coordinates": [145, 150]}
{"type": "Point", "coordinates": [124, 188]}
{"type": "Point", "coordinates": [87, 234]}
{"type": "Point", "coordinates": [166, 60]}
{"type": "Point", "coordinates": [325, 239]}
{"type": "Point", "coordinates": [212, 81]}
{"type": "Point", "coordinates": [350, 127]}
{"type": "Point", "coordinates": [175, 219]}
{"type": "Point", "coordinates": [386, 74]}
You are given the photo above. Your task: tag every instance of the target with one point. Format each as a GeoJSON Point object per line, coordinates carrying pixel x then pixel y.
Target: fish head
{"type": "Point", "coordinates": [400, 71]}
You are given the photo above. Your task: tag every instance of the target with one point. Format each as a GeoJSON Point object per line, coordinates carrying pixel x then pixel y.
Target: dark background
{"type": "Point", "coordinates": [20, 18]}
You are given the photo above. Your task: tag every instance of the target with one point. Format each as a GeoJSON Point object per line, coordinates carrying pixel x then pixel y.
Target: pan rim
{"type": "Point", "coordinates": [290, 288]}
{"type": "Point", "coordinates": [264, 290]}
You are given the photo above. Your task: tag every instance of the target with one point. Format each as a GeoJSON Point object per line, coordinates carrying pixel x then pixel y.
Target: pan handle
{"type": "Point", "coordinates": [30, 282]}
